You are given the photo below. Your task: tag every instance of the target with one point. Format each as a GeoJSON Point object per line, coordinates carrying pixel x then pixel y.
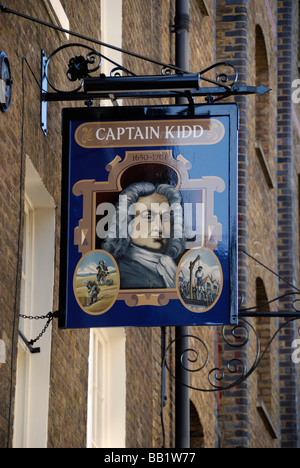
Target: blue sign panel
{"type": "Point", "coordinates": [149, 216]}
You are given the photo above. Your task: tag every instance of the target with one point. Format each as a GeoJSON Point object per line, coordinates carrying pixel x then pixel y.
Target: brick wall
{"type": "Point", "coordinates": [262, 189]}
{"type": "Point", "coordinates": [68, 390]}
{"type": "Point", "coordinates": [245, 37]}
{"type": "Point", "coordinates": [286, 206]}
{"type": "Point", "coordinates": [245, 33]}
{"type": "Point", "coordinates": [202, 55]}
{"type": "Point", "coordinates": [296, 161]}
{"type": "Point", "coordinates": [233, 45]}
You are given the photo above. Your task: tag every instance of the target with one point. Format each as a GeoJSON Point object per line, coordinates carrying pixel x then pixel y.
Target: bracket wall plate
{"type": "Point", "coordinates": [6, 83]}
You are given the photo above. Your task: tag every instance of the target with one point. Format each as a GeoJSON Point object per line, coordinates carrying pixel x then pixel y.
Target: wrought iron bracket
{"type": "Point", "coordinates": [224, 84]}
{"type": "Point", "coordinates": [82, 69]}
{"type": "Point", "coordinates": [44, 90]}
{"type": "Point", "coordinates": [237, 369]}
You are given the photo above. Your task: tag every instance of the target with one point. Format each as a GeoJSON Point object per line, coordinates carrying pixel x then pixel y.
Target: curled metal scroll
{"type": "Point", "coordinates": [196, 359]}
{"type": "Point", "coordinates": [167, 70]}
{"type": "Point", "coordinates": [79, 67]}
{"type": "Point", "coordinates": [296, 305]}
{"type": "Point", "coordinates": [120, 70]}
{"type": "Point", "coordinates": [236, 368]}
{"type": "Point", "coordinates": [222, 79]}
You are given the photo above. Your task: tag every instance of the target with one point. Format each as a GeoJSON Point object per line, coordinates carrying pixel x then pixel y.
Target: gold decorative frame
{"type": "Point", "coordinates": [85, 232]}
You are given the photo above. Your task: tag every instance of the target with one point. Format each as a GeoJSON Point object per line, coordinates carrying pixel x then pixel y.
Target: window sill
{"type": "Point", "coordinates": [265, 416]}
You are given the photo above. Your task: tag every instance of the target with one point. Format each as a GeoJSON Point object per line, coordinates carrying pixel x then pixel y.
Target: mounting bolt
{"type": "Point", "coordinates": [89, 103]}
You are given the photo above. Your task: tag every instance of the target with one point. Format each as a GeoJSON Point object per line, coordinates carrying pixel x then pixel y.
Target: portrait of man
{"type": "Point", "coordinates": [154, 236]}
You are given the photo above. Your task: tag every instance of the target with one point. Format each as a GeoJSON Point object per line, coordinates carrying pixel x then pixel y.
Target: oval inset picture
{"type": "Point", "coordinates": [199, 280]}
{"type": "Point", "coordinates": [96, 282]}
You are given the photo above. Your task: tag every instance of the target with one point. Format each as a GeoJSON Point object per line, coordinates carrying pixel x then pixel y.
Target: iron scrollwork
{"type": "Point", "coordinates": [237, 368]}
{"type": "Point", "coordinates": [195, 360]}
{"type": "Point", "coordinates": [222, 79]}
{"type": "Point", "coordinates": [79, 67]}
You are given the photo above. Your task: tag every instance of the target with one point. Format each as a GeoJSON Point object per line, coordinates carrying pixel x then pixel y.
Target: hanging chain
{"type": "Point", "coordinates": [49, 317]}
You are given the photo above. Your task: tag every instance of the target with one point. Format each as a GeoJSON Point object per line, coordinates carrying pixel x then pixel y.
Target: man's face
{"type": "Point", "coordinates": [151, 226]}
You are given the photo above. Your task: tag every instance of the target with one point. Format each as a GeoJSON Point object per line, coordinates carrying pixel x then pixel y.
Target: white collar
{"type": "Point", "coordinates": [156, 262]}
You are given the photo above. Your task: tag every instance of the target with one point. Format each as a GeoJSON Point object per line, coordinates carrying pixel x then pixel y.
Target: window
{"type": "Point", "coordinates": [111, 33]}
{"type": "Point", "coordinates": [196, 429]}
{"type": "Point", "coordinates": [33, 370]}
{"type": "Point", "coordinates": [263, 106]}
{"type": "Point", "coordinates": [107, 389]}
{"type": "Point", "coordinates": [98, 384]}
{"type": "Point", "coordinates": [57, 14]}
{"type": "Point", "coordinates": [107, 364]}
{"type": "Point", "coordinates": [204, 7]}
{"type": "Point", "coordinates": [264, 334]}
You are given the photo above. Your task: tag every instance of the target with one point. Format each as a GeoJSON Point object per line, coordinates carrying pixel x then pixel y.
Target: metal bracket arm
{"type": "Point", "coordinates": [29, 346]}
{"type": "Point", "coordinates": [124, 83]}
{"type": "Point", "coordinates": [204, 92]}
{"type": "Point", "coordinates": [278, 314]}
{"type": "Point", "coordinates": [81, 68]}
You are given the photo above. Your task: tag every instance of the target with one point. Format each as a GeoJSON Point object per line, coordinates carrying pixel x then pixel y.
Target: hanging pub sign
{"type": "Point", "coordinates": [149, 216]}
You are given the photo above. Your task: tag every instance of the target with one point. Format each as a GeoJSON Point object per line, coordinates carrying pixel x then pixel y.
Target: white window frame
{"type": "Point", "coordinates": [107, 361]}
{"type": "Point", "coordinates": [58, 15]}
{"type": "Point", "coordinates": [107, 388]}
{"type": "Point", "coordinates": [23, 361]}
{"type": "Point", "coordinates": [111, 33]}
{"type": "Point", "coordinates": [33, 370]}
